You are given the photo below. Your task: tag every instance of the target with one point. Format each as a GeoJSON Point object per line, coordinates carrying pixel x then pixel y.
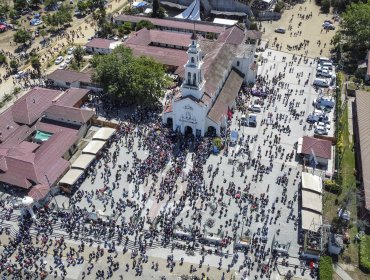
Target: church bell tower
{"type": "Point", "coordinates": [193, 83]}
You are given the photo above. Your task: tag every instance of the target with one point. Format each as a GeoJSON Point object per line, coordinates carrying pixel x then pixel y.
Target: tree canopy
{"type": "Point", "coordinates": [354, 35]}
{"type": "Point", "coordinates": [144, 24]}
{"type": "Point", "coordinates": [22, 36]}
{"type": "Point", "coordinates": [62, 16]}
{"type": "Point", "coordinates": [128, 79]}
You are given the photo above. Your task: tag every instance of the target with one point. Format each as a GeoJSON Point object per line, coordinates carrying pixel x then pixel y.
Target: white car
{"type": "Point", "coordinates": [70, 50]}
{"type": "Point", "coordinates": [63, 66]}
{"type": "Point", "coordinates": [59, 60]}
{"type": "Point", "coordinates": [69, 59]}
{"type": "Point", "coordinates": [255, 108]}
{"type": "Point", "coordinates": [115, 38]}
{"type": "Point", "coordinates": [20, 74]}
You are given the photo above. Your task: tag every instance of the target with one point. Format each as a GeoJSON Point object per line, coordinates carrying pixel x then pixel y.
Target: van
{"type": "Point", "coordinates": [325, 102]}
{"type": "Point", "coordinates": [320, 82]}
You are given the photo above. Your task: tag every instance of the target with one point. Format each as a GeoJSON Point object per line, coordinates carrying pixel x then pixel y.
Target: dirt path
{"type": "Point", "coordinates": [310, 29]}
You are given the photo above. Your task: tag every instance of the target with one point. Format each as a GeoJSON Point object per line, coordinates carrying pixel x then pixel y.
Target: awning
{"type": "Point", "coordinates": [93, 147]}
{"type": "Point", "coordinates": [311, 182]}
{"type": "Point", "coordinates": [299, 148]}
{"type": "Point", "coordinates": [83, 161]}
{"type": "Point", "coordinates": [311, 221]}
{"type": "Point", "coordinates": [104, 133]}
{"type": "Point", "coordinates": [39, 192]}
{"type": "Point", "coordinates": [312, 201]}
{"type": "Point", "coordinates": [71, 177]}
{"type": "Point", "coordinates": [240, 14]}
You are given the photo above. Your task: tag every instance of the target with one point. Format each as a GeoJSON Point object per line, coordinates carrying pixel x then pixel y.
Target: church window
{"type": "Point", "coordinates": [237, 63]}
{"type": "Point", "coordinates": [192, 60]}
{"type": "Point", "coordinates": [194, 79]}
{"type": "Point", "coordinates": [189, 78]}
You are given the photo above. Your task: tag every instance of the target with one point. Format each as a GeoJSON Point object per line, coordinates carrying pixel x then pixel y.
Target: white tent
{"type": "Point", "coordinates": [311, 221]}
{"type": "Point", "coordinates": [192, 12]}
{"type": "Point", "coordinates": [312, 201]}
{"type": "Point", "coordinates": [93, 147]}
{"type": "Point", "coordinates": [311, 182]}
{"type": "Point", "coordinates": [71, 176]}
{"type": "Point", "coordinates": [83, 161]}
{"type": "Point", "coordinates": [104, 133]}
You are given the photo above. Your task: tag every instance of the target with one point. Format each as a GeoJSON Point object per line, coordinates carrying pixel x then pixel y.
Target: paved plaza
{"type": "Point", "coordinates": [250, 189]}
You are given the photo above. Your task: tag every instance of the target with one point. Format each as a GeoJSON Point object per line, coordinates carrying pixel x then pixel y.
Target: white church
{"type": "Point", "coordinates": [211, 83]}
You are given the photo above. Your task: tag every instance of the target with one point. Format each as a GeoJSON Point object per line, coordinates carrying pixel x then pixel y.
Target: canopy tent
{"type": "Point", "coordinates": [311, 182]}
{"type": "Point", "coordinates": [225, 21]}
{"type": "Point", "coordinates": [192, 12]}
{"type": "Point", "coordinates": [93, 147]}
{"type": "Point", "coordinates": [312, 201]}
{"type": "Point", "coordinates": [311, 221]}
{"type": "Point", "coordinates": [234, 136]}
{"type": "Point", "coordinates": [71, 177]}
{"type": "Point", "coordinates": [39, 192]}
{"type": "Point", "coordinates": [104, 133]}
{"type": "Point", "coordinates": [83, 161]}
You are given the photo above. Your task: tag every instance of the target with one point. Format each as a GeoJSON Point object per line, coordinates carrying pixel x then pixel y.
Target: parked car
{"type": "Point", "coordinates": [329, 27]}
{"type": "Point", "coordinates": [280, 30]}
{"type": "Point", "coordinates": [69, 59]}
{"type": "Point", "coordinates": [20, 74]}
{"type": "Point", "coordinates": [255, 108]}
{"type": "Point", "coordinates": [59, 60]}
{"type": "Point", "coordinates": [70, 50]}
{"type": "Point", "coordinates": [63, 66]}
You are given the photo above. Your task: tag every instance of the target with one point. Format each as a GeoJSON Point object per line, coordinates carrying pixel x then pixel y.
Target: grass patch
{"type": "Point", "coordinates": [326, 268]}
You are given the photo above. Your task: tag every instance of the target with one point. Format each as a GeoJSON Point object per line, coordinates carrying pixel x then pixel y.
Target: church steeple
{"type": "Point", "coordinates": [193, 81]}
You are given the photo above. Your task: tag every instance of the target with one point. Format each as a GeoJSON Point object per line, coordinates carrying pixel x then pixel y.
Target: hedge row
{"type": "Point", "coordinates": [326, 268]}
{"type": "Point", "coordinates": [364, 255]}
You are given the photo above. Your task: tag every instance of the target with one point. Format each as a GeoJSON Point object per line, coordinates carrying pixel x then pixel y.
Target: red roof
{"type": "Point", "coordinates": [58, 112]}
{"type": "Point", "coordinates": [321, 148]}
{"type": "Point", "coordinates": [24, 163]}
{"type": "Point", "coordinates": [29, 107]}
{"type": "Point", "coordinates": [232, 35]}
{"type": "Point", "coordinates": [39, 192]}
{"type": "Point", "coordinates": [71, 97]}
{"type": "Point", "coordinates": [99, 43]}
{"type": "Point", "coordinates": [69, 76]}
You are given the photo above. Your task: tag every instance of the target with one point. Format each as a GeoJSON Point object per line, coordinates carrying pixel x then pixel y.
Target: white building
{"type": "Point", "coordinates": [101, 46]}
{"type": "Point", "coordinates": [211, 82]}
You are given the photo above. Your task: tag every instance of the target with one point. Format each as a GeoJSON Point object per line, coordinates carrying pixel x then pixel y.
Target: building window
{"type": "Point", "coordinates": [189, 78]}
{"type": "Point", "coordinates": [192, 60]}
{"type": "Point", "coordinates": [237, 63]}
{"type": "Point", "coordinates": [68, 84]}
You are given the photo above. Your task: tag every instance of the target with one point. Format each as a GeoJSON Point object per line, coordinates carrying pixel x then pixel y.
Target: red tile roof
{"type": "Point", "coordinates": [29, 107]}
{"type": "Point", "coordinates": [71, 97]}
{"type": "Point", "coordinates": [24, 163]}
{"type": "Point", "coordinates": [232, 35]}
{"type": "Point", "coordinates": [58, 112]}
{"type": "Point", "coordinates": [99, 43]}
{"type": "Point", "coordinates": [39, 192]}
{"type": "Point", "coordinates": [69, 76]}
{"type": "Point", "coordinates": [321, 148]}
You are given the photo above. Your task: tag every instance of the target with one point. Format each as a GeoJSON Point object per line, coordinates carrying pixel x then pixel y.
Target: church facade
{"type": "Point", "coordinates": [211, 83]}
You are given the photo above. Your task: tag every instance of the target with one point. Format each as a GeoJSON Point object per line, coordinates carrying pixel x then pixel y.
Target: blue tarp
{"type": "Point", "coordinates": [139, 4]}
{"type": "Point", "coordinates": [234, 135]}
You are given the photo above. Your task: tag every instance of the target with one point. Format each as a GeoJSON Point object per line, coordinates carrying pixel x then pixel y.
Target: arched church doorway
{"type": "Point", "coordinates": [169, 122]}
{"type": "Point", "coordinates": [188, 130]}
{"type": "Point", "coordinates": [211, 131]}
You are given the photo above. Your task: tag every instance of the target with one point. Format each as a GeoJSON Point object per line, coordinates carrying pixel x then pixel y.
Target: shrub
{"type": "Point", "coordinates": [326, 268]}
{"type": "Point", "coordinates": [364, 255]}
{"type": "Point", "coordinates": [2, 58]}
{"type": "Point", "coordinates": [332, 186]}
{"type": "Point", "coordinates": [218, 143]}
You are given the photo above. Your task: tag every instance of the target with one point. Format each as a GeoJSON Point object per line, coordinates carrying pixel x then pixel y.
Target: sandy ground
{"type": "Point", "coordinates": [310, 29]}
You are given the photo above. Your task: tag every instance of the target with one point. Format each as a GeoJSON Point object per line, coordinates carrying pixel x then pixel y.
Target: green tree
{"type": "Point", "coordinates": [48, 3]}
{"type": "Point", "coordinates": [129, 79]}
{"type": "Point", "coordinates": [279, 6]}
{"type": "Point", "coordinates": [353, 38]}
{"type": "Point", "coordinates": [14, 65]}
{"type": "Point", "coordinates": [20, 4]}
{"type": "Point", "coordinates": [59, 18]}
{"type": "Point", "coordinates": [82, 6]}
{"type": "Point", "coordinates": [78, 55]}
{"type": "Point", "coordinates": [144, 24]}
{"type": "Point", "coordinates": [4, 10]}
{"type": "Point", "coordinates": [22, 36]}
{"type": "Point", "coordinates": [36, 64]}
{"type": "Point", "coordinates": [156, 7]}
{"type": "Point", "coordinates": [2, 59]}
{"type": "Point", "coordinates": [325, 6]}
{"type": "Point", "coordinates": [124, 29]}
